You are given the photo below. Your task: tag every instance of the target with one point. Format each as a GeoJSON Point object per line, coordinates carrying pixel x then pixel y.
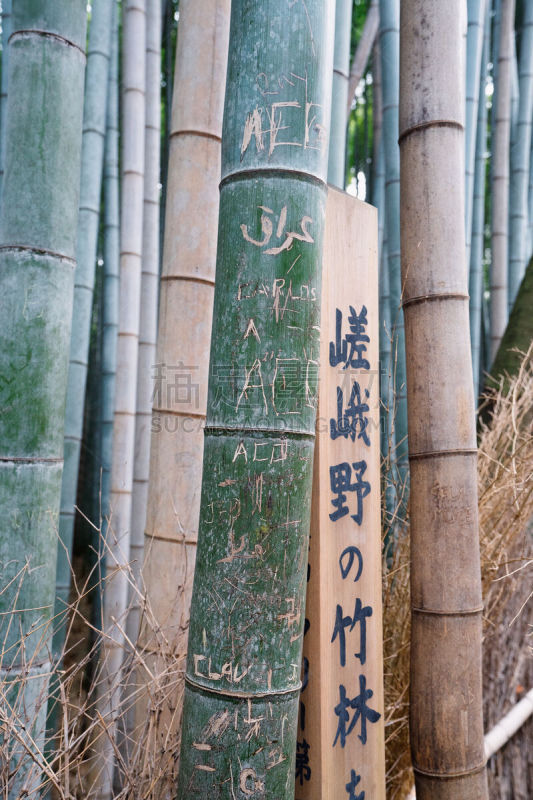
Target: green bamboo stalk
{"type": "Point", "coordinates": [446, 721]}
{"type": "Point", "coordinates": [118, 534]}
{"type": "Point", "coordinates": [111, 266]}
{"type": "Point", "coordinates": [362, 54]}
{"type": "Point", "coordinates": [94, 113]}
{"type": "Point", "coordinates": [530, 199]}
{"type": "Point", "coordinates": [500, 179]}
{"type": "Point", "coordinates": [390, 44]}
{"type": "Point", "coordinates": [110, 306]}
{"type": "Point", "coordinates": [520, 166]}
{"type": "Point", "coordinates": [339, 97]}
{"type": "Point", "coordinates": [6, 33]}
{"type": "Point", "coordinates": [37, 260]}
{"type": "Point", "coordinates": [247, 620]}
{"type": "Point", "coordinates": [478, 217]}
{"type": "Point", "coordinates": [477, 12]}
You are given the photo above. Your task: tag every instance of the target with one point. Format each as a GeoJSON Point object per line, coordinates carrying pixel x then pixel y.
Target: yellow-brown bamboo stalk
{"type": "Point", "coordinates": [181, 373]}
{"type": "Point", "coordinates": [446, 709]}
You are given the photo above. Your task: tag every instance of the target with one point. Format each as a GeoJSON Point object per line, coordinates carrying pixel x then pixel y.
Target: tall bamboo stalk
{"type": "Point", "coordinates": [500, 180]}
{"type": "Point", "coordinates": [118, 535]}
{"type": "Point", "coordinates": [477, 12]}
{"type": "Point", "coordinates": [341, 67]}
{"type": "Point", "coordinates": [181, 364]}
{"type": "Point", "coordinates": [6, 33]}
{"type": "Point", "coordinates": [92, 159]}
{"type": "Point", "coordinates": [149, 294]}
{"type": "Point", "coordinates": [389, 44]}
{"type": "Point", "coordinates": [37, 260]}
{"type": "Point", "coordinates": [520, 155]}
{"type": "Point", "coordinates": [110, 300]}
{"type": "Point", "coordinates": [247, 612]}
{"type": "Point", "coordinates": [475, 285]}
{"type": "Point", "coordinates": [110, 308]}
{"type": "Point", "coordinates": [362, 54]}
{"type": "Point", "coordinates": [446, 710]}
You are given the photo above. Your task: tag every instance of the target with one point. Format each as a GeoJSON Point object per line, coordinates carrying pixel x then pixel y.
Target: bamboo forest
{"type": "Point", "coordinates": [266, 400]}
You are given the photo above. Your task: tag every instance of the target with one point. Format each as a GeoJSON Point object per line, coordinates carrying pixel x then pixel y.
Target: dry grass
{"type": "Point", "coordinates": [505, 485]}
{"type": "Point", "coordinates": [146, 762]}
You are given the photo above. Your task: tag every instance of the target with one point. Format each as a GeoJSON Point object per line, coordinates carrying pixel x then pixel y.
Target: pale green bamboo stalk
{"type": "Point", "coordinates": [117, 574]}
{"type": "Point", "coordinates": [530, 199]}
{"type": "Point", "coordinates": [520, 161]}
{"type": "Point", "coordinates": [6, 33]}
{"type": "Point", "coordinates": [362, 54]}
{"type": "Point", "coordinates": [111, 264]}
{"type": "Point", "coordinates": [94, 114]}
{"type": "Point", "coordinates": [147, 323]}
{"type": "Point", "coordinates": [339, 98]}
{"type": "Point", "coordinates": [110, 301]}
{"type": "Point", "coordinates": [247, 610]}
{"type": "Point", "coordinates": [477, 12]}
{"type": "Point", "coordinates": [390, 48]}
{"type": "Point", "coordinates": [478, 217]}
{"type": "Point", "coordinates": [37, 260]}
{"type": "Point", "coordinates": [500, 180]}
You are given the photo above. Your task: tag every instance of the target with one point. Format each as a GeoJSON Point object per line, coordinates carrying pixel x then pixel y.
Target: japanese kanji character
{"type": "Point", "coordinates": [340, 481]}
{"type": "Point", "coordinates": [303, 770]}
{"type": "Point", "coordinates": [341, 623]}
{"type": "Point", "coordinates": [350, 787]}
{"type": "Point", "coordinates": [362, 712]}
{"type": "Point", "coordinates": [353, 416]}
{"type": "Point", "coordinates": [357, 339]}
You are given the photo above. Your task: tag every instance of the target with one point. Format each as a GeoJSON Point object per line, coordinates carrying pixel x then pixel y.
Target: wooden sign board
{"type": "Point", "coordinates": [340, 751]}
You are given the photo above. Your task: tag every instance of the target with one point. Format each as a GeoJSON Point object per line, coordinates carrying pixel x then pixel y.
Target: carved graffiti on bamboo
{"type": "Point", "coordinates": [231, 672]}
{"type": "Point", "coordinates": [294, 122]}
{"type": "Point", "coordinates": [292, 386]}
{"type": "Point", "coordinates": [267, 229]}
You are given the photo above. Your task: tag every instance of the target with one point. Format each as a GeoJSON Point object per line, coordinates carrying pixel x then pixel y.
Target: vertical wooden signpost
{"type": "Point", "coordinates": [340, 748]}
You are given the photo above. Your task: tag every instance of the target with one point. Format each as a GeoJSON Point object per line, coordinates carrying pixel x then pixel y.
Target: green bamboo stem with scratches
{"type": "Point", "coordinates": [247, 611]}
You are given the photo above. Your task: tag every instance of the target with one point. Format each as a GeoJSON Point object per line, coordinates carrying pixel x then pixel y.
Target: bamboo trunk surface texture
{"type": "Point", "coordinates": [182, 360]}
{"type": "Point", "coordinates": [37, 262]}
{"type": "Point", "coordinates": [446, 704]}
{"type": "Point", "coordinates": [247, 612]}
